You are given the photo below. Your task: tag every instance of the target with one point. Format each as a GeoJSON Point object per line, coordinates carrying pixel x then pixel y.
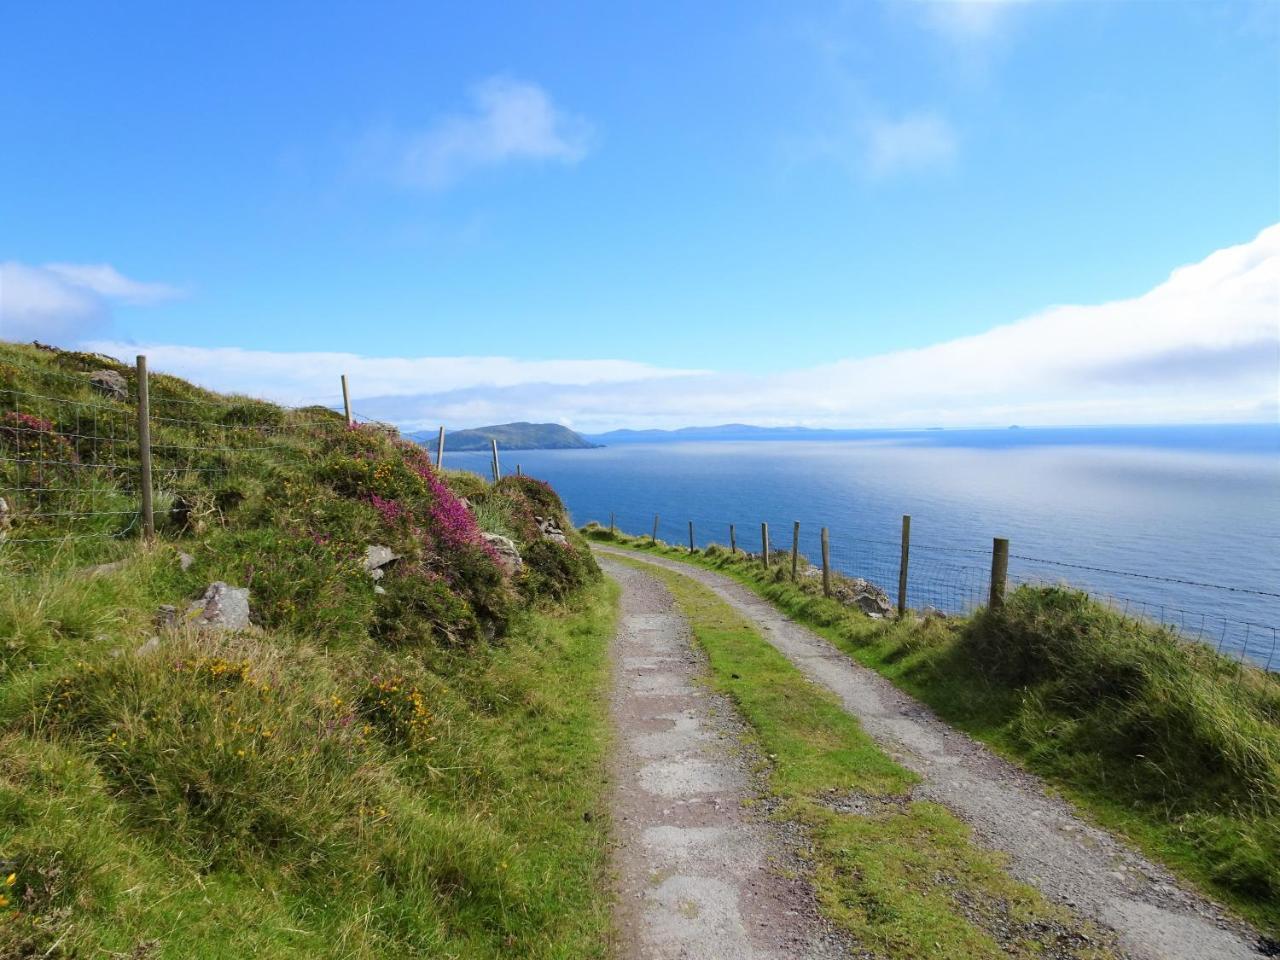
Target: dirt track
{"type": "Point", "coordinates": [700, 875]}
{"type": "Point", "coordinates": [1071, 861]}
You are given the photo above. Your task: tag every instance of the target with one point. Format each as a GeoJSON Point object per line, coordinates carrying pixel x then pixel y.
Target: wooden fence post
{"type": "Point", "coordinates": [144, 450]}
{"type": "Point", "coordinates": [440, 449]}
{"type": "Point", "coordinates": [612, 526]}
{"type": "Point", "coordinates": [733, 540]}
{"type": "Point", "coordinates": [902, 564]}
{"type": "Point", "coordinates": [999, 571]}
{"type": "Point", "coordinates": [795, 551]}
{"type": "Point", "coordinates": [346, 399]}
{"type": "Point", "coordinates": [691, 547]}
{"type": "Point", "coordinates": [654, 538]}
{"type": "Point", "coordinates": [826, 563]}
{"type": "Point", "coordinates": [764, 542]}
{"type": "Point", "coordinates": [497, 474]}
{"type": "Point", "coordinates": [518, 473]}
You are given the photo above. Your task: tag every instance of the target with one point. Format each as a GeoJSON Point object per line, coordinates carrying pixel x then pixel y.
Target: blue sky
{"type": "Point", "coordinates": [750, 190]}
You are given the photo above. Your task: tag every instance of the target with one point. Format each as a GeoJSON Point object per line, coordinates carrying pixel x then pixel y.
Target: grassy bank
{"type": "Point", "coordinates": [1165, 742]}
{"type": "Point", "coordinates": [901, 876]}
{"type": "Point", "coordinates": [408, 766]}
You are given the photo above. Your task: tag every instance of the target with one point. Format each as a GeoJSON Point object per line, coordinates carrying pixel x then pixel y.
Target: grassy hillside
{"type": "Point", "coordinates": [1165, 741]}
{"type": "Point", "coordinates": [406, 767]}
{"type": "Point", "coordinates": [513, 436]}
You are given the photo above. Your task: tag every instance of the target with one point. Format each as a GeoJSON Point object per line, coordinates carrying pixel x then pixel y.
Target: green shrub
{"type": "Point", "coordinates": [555, 570]}
{"type": "Point", "coordinates": [420, 608]}
{"type": "Point", "coordinates": [310, 586]}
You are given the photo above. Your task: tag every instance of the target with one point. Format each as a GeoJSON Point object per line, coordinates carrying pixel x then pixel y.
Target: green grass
{"type": "Point", "coordinates": [1165, 742]}
{"type": "Point", "coordinates": [411, 772]}
{"type": "Point", "coordinates": [904, 879]}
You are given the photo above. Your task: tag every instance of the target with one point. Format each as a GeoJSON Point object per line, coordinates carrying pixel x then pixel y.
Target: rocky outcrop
{"type": "Point", "coordinates": [863, 594]}
{"type": "Point", "coordinates": [506, 551]}
{"type": "Point", "coordinates": [110, 384]}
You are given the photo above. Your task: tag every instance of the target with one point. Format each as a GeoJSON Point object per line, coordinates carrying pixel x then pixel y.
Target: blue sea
{"type": "Point", "coordinates": [1124, 512]}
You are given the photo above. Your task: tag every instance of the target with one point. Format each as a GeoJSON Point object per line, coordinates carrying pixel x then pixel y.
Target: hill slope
{"type": "Point", "coordinates": [512, 436]}
{"type": "Point", "coordinates": [368, 768]}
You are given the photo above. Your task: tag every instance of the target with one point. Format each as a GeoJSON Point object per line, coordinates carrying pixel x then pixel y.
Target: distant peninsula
{"type": "Point", "coordinates": [510, 436]}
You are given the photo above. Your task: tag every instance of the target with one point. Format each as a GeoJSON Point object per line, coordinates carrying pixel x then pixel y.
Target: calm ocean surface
{"type": "Point", "coordinates": [1196, 504]}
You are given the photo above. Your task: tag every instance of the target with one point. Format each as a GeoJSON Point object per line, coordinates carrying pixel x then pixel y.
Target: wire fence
{"type": "Point", "coordinates": [71, 458]}
{"type": "Point", "coordinates": [956, 579]}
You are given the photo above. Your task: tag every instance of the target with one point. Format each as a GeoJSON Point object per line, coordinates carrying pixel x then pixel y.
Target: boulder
{"type": "Point", "coordinates": [377, 558]}
{"type": "Point", "coordinates": [6, 519]}
{"type": "Point", "coordinates": [508, 554]}
{"type": "Point", "coordinates": [864, 595]}
{"type": "Point", "coordinates": [110, 384]}
{"type": "Point", "coordinates": [932, 613]}
{"type": "Point", "coordinates": [221, 607]}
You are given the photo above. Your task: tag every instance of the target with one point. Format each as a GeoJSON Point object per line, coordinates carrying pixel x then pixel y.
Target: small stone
{"type": "Point", "coordinates": [379, 590]}
{"type": "Point", "coordinates": [151, 646]}
{"type": "Point", "coordinates": [185, 560]}
{"type": "Point", "coordinates": [110, 384]}
{"type": "Point", "coordinates": [376, 556]}
{"type": "Point", "coordinates": [166, 616]}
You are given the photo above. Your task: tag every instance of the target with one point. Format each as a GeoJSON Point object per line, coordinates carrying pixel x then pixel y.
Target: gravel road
{"type": "Point", "coordinates": [701, 873]}
{"type": "Point", "coordinates": [1049, 846]}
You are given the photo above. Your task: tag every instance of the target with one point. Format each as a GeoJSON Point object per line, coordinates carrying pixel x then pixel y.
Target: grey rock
{"type": "Point", "coordinates": [99, 569]}
{"type": "Point", "coordinates": [376, 558]}
{"type": "Point", "coordinates": [166, 616]}
{"type": "Point", "coordinates": [379, 590]}
{"type": "Point", "coordinates": [550, 530]}
{"type": "Point", "coordinates": [185, 560]}
{"type": "Point", "coordinates": [6, 518]}
{"type": "Point", "coordinates": [110, 384]}
{"type": "Point", "coordinates": [863, 594]}
{"type": "Point", "coordinates": [932, 613]}
{"type": "Point", "coordinates": [508, 554]}
{"type": "Point", "coordinates": [222, 607]}
{"type": "Point", "coordinates": [151, 646]}
{"type": "Point", "coordinates": [391, 430]}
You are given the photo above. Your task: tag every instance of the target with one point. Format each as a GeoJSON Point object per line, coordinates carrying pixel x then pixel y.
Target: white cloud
{"type": "Point", "coordinates": [66, 301]}
{"type": "Point", "coordinates": [307, 378]}
{"type": "Point", "coordinates": [107, 282]}
{"type": "Point", "coordinates": [915, 142]}
{"type": "Point", "coordinates": [965, 20]}
{"type": "Point", "coordinates": [510, 120]}
{"type": "Point", "coordinates": [1202, 346]}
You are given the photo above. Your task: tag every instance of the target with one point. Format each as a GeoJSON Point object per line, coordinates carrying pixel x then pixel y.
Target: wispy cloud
{"type": "Point", "coordinates": [67, 301]}
{"type": "Point", "coordinates": [509, 120]}
{"type": "Point", "coordinates": [1204, 345]}
{"type": "Point", "coordinates": [917, 141]}
{"type": "Point", "coordinates": [965, 20]}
